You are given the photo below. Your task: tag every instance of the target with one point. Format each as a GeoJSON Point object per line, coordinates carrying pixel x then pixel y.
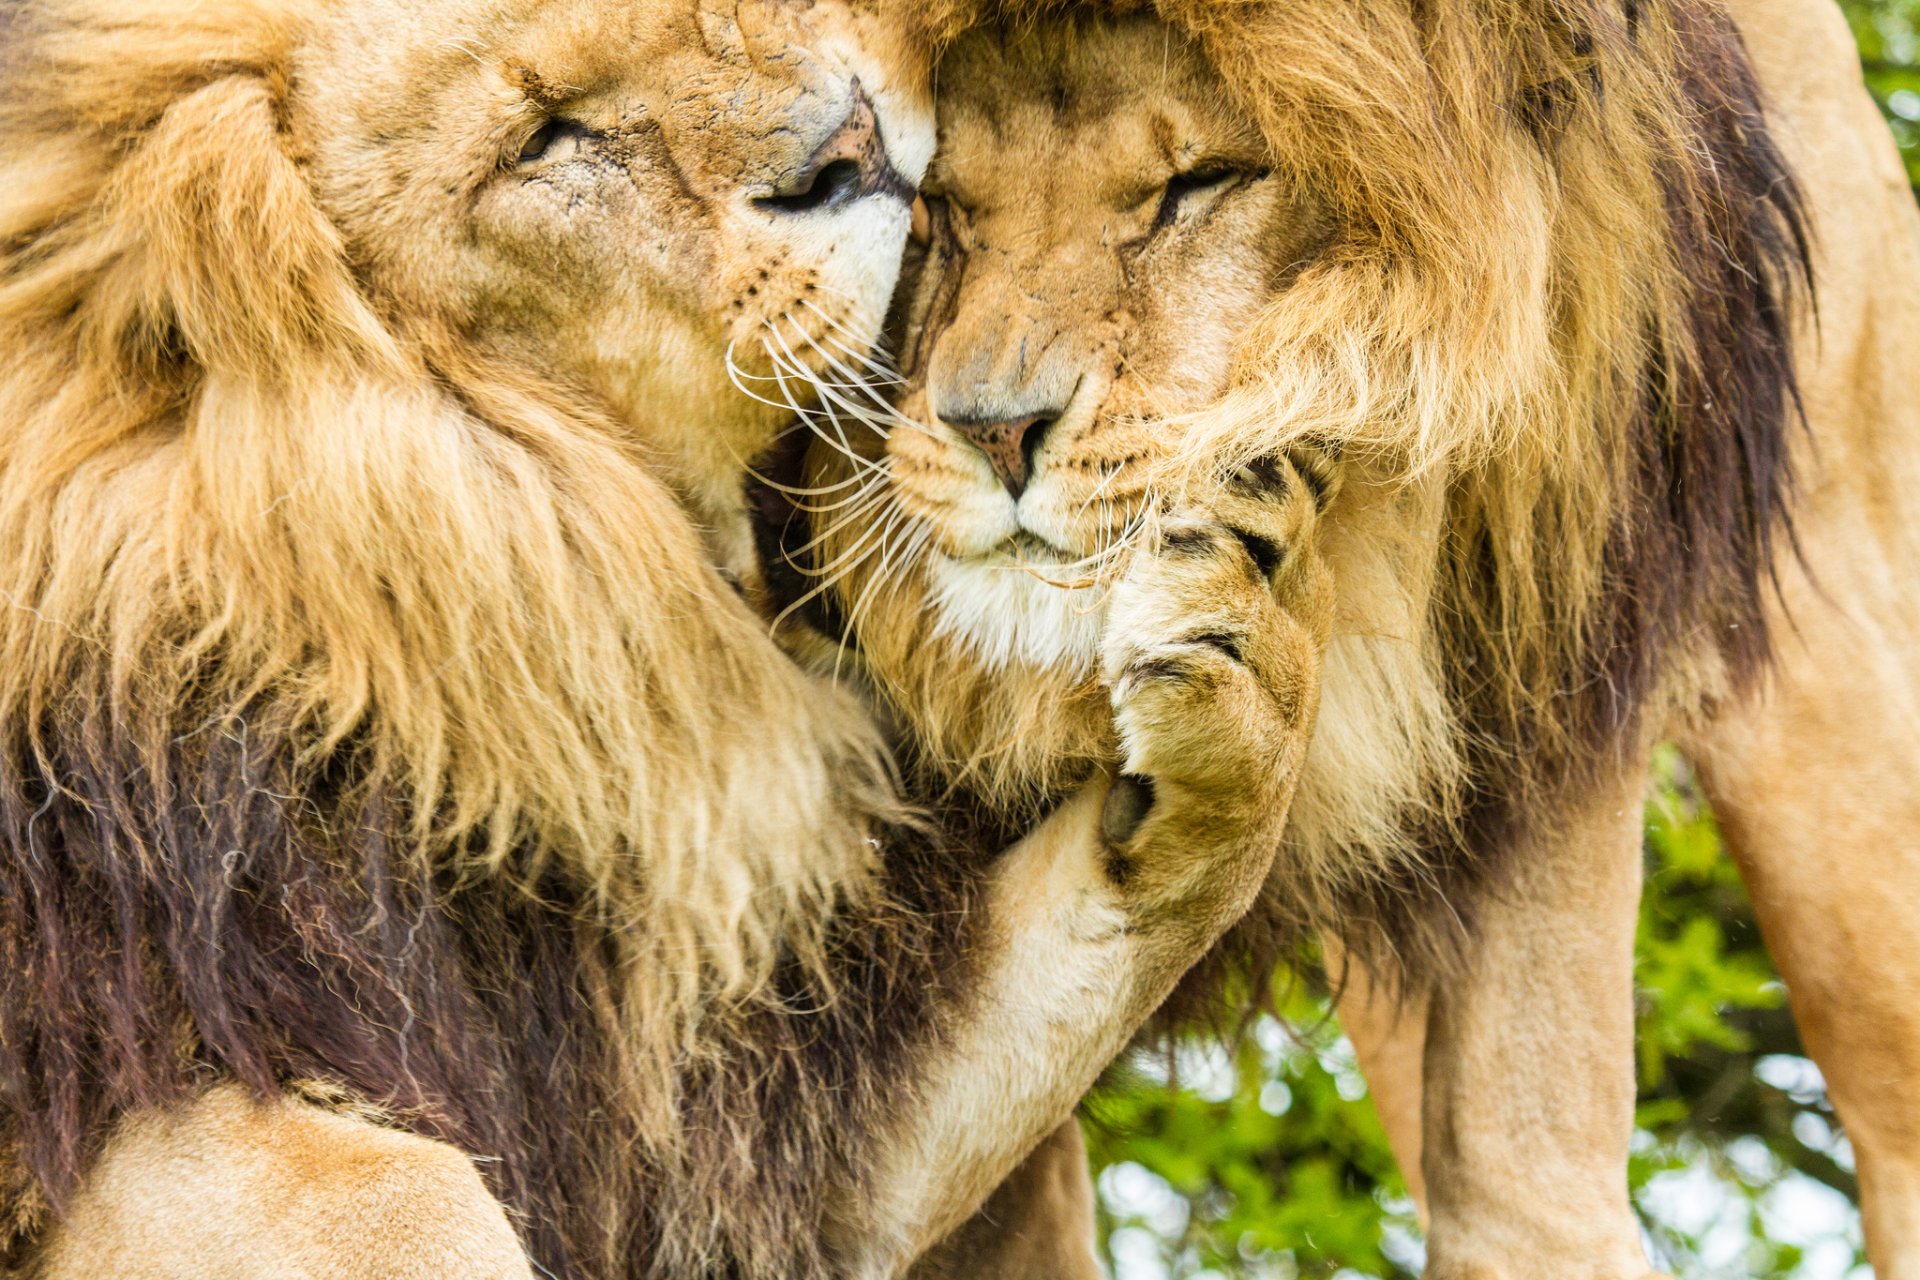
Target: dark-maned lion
{"type": "Point", "coordinates": [1536, 268]}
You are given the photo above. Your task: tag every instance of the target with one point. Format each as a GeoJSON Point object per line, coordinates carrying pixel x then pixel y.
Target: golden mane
{"type": "Point", "coordinates": [1553, 331]}
{"type": "Point", "coordinates": [231, 481]}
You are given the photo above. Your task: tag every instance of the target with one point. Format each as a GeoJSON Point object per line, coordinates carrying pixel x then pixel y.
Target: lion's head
{"type": "Point", "coordinates": [360, 352]}
{"type": "Point", "coordinates": [638, 201]}
{"type": "Point", "coordinates": [1090, 306]}
{"type": "Point", "coordinates": [371, 436]}
{"type": "Point", "coordinates": [1496, 251]}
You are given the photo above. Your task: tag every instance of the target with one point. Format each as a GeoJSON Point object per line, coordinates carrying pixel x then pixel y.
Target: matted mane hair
{"type": "Point", "coordinates": [371, 713]}
{"type": "Point", "coordinates": [1558, 313]}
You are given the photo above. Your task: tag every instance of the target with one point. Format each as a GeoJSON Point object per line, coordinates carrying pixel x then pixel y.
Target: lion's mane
{"type": "Point", "coordinates": [1556, 323]}
{"type": "Point", "coordinates": [370, 713]}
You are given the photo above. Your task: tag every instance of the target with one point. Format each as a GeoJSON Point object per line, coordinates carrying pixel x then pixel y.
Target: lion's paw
{"type": "Point", "coordinates": [1213, 667]}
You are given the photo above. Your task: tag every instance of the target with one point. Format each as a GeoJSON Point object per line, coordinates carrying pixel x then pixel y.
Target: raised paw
{"type": "Point", "coordinates": [1212, 651]}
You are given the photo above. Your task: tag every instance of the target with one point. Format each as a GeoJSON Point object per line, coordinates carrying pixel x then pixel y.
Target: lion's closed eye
{"type": "Point", "coordinates": [554, 141]}
{"type": "Point", "coordinates": [1198, 186]}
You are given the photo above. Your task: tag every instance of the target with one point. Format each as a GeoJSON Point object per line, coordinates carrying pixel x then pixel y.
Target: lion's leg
{"type": "Point", "coordinates": [1529, 1064]}
{"type": "Point", "coordinates": [1039, 1225]}
{"type": "Point", "coordinates": [1094, 917]}
{"type": "Point", "coordinates": [1817, 787]}
{"type": "Point", "coordinates": [1817, 781]}
{"type": "Point", "coordinates": [1389, 1035]}
{"type": "Point", "coordinates": [227, 1188]}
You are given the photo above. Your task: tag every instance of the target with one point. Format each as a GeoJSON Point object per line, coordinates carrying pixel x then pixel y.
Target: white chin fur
{"type": "Point", "coordinates": [1009, 616]}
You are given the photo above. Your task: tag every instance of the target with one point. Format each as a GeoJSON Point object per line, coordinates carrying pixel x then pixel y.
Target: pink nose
{"type": "Point", "coordinates": [1009, 445]}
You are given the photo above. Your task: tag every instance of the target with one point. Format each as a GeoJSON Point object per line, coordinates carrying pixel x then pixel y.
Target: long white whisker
{"type": "Point", "coordinates": [830, 396]}
{"type": "Point", "coordinates": [735, 374]}
{"type": "Point", "coordinates": [881, 575]}
{"type": "Point", "coordinates": [887, 374]}
{"type": "Point", "coordinates": [1099, 492]}
{"type": "Point", "coordinates": [832, 575]}
{"type": "Point", "coordinates": [873, 488]}
{"type": "Point", "coordinates": [787, 373]}
{"type": "Point", "coordinates": [796, 368]}
{"type": "Point", "coordinates": [866, 505]}
{"type": "Point", "coordinates": [884, 410]}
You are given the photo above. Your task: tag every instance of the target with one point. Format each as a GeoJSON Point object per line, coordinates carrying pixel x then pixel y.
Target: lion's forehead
{"type": "Point", "coordinates": [389, 67]}
{"type": "Point", "coordinates": [1100, 98]}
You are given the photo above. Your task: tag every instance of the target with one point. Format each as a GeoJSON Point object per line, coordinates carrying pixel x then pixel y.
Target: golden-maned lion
{"type": "Point", "coordinates": [416, 856]}
{"type": "Point", "coordinates": [1535, 267]}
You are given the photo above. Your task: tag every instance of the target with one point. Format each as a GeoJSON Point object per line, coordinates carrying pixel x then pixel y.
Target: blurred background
{"type": "Point", "coordinates": [1268, 1164]}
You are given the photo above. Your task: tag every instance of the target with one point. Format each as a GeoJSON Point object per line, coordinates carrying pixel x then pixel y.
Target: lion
{"type": "Point", "coordinates": [417, 855]}
{"type": "Point", "coordinates": [1540, 274]}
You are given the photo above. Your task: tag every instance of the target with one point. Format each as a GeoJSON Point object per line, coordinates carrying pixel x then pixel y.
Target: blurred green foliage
{"type": "Point", "coordinates": [1269, 1164]}
{"type": "Point", "coordinates": [1888, 32]}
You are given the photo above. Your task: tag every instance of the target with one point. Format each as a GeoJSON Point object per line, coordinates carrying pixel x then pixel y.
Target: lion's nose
{"type": "Point", "coordinates": [1009, 445]}
{"type": "Point", "coordinates": [852, 162]}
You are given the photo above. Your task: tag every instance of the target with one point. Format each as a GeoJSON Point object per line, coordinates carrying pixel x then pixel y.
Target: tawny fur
{"type": "Point", "coordinates": [1532, 269]}
{"type": "Point", "coordinates": [386, 729]}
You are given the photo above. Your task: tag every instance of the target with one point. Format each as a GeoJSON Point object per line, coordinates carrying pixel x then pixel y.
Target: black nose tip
{"type": "Point", "coordinates": [1009, 445]}
{"type": "Point", "coordinates": [851, 163]}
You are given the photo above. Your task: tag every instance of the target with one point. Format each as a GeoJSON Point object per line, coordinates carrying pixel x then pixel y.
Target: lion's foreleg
{"type": "Point", "coordinates": [1388, 1030]}
{"type": "Point", "coordinates": [1039, 1224]}
{"type": "Point", "coordinates": [1529, 1064]}
{"type": "Point", "coordinates": [1212, 659]}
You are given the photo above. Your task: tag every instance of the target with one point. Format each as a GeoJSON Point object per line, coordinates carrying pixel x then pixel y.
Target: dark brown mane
{"type": "Point", "coordinates": [1701, 511]}
{"type": "Point", "coordinates": [247, 913]}
{"type": "Point", "coordinates": [1704, 497]}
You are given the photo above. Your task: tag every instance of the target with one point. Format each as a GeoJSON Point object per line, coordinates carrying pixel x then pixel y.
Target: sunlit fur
{"type": "Point", "coordinates": [1545, 318]}
{"type": "Point", "coordinates": [350, 450]}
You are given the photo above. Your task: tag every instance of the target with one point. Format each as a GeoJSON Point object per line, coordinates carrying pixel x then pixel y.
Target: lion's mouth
{"type": "Point", "coordinates": [1030, 558]}
{"type": "Point", "coordinates": [1027, 546]}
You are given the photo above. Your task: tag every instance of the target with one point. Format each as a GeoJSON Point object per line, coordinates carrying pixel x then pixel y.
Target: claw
{"type": "Point", "coordinates": [1262, 474]}
{"type": "Point", "coordinates": [1126, 807]}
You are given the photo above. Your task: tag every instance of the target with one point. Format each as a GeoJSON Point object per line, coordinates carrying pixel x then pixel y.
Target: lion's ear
{"type": "Point", "coordinates": [223, 253]}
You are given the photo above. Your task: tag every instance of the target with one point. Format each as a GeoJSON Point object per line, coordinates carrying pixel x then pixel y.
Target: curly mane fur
{"type": "Point", "coordinates": [369, 712]}
{"type": "Point", "coordinates": [1554, 328]}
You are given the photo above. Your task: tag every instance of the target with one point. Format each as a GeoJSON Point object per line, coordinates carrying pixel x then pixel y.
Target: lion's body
{"type": "Point", "coordinates": [395, 780]}
{"type": "Point", "coordinates": [372, 710]}
{"type": "Point", "coordinates": [343, 643]}
{"type": "Point", "coordinates": [1519, 406]}
{"type": "Point", "coordinates": [1539, 268]}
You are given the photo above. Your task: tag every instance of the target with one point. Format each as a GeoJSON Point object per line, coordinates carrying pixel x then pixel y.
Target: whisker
{"type": "Point", "coordinates": [863, 506]}
{"type": "Point", "coordinates": [867, 593]}
{"type": "Point", "coordinates": [810, 418]}
{"type": "Point", "coordinates": [887, 373]}
{"type": "Point", "coordinates": [830, 392]}
{"type": "Point", "coordinates": [795, 367]}
{"type": "Point", "coordinates": [831, 575]}
{"type": "Point", "coordinates": [735, 374]}
{"type": "Point", "coordinates": [883, 415]}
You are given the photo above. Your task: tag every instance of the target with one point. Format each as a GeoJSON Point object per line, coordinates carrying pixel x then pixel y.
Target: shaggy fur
{"type": "Point", "coordinates": [369, 709]}
{"type": "Point", "coordinates": [1546, 315]}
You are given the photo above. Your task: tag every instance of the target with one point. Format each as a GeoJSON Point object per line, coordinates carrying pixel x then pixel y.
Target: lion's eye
{"type": "Point", "coordinates": [555, 140]}
{"type": "Point", "coordinates": [1185, 188]}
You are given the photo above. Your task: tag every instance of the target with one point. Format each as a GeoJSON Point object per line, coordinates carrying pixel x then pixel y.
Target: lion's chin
{"type": "Point", "coordinates": [1020, 607]}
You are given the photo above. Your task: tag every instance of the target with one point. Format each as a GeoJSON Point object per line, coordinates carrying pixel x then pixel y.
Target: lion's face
{"type": "Point", "coordinates": [1111, 227]}
{"type": "Point", "coordinates": [622, 193]}
{"type": "Point", "coordinates": [383, 344]}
